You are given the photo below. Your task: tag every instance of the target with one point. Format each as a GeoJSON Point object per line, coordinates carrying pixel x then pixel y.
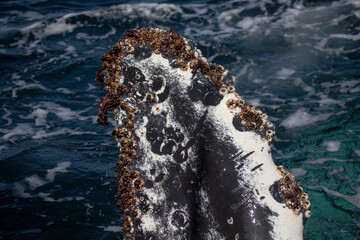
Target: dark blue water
{"type": "Point", "coordinates": [298, 61]}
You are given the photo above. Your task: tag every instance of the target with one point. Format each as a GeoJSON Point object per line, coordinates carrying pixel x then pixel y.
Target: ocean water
{"type": "Point", "coordinates": [298, 61]}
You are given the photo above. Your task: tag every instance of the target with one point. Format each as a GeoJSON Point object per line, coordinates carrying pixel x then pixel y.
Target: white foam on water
{"type": "Point", "coordinates": [46, 197]}
{"type": "Point", "coordinates": [350, 86]}
{"type": "Point", "coordinates": [35, 181]}
{"type": "Point", "coordinates": [243, 70]}
{"type": "Point", "coordinates": [63, 113]}
{"type": "Point", "coordinates": [69, 53]}
{"type": "Point", "coordinates": [111, 228]}
{"type": "Point", "coordinates": [284, 73]}
{"type": "Point", "coordinates": [28, 15]}
{"type": "Point", "coordinates": [16, 76]}
{"type": "Point", "coordinates": [32, 15]}
{"type": "Point", "coordinates": [63, 131]}
{"type": "Point", "coordinates": [88, 207]}
{"type": "Point", "coordinates": [251, 24]}
{"type": "Point", "coordinates": [304, 86]}
{"type": "Point", "coordinates": [70, 48]}
{"type": "Point", "coordinates": [357, 152]}
{"type": "Point", "coordinates": [66, 24]}
{"type": "Point", "coordinates": [65, 91]}
{"type": "Point", "coordinates": [2, 147]}
{"type": "Point", "coordinates": [346, 36]}
{"type": "Point", "coordinates": [59, 26]}
{"type": "Point", "coordinates": [25, 85]}
{"type": "Point", "coordinates": [343, 86]}
{"type": "Point", "coordinates": [151, 11]}
{"type": "Point", "coordinates": [223, 22]}
{"type": "Point", "coordinates": [91, 87]}
{"type": "Point", "coordinates": [353, 199]}
{"type": "Point", "coordinates": [254, 102]}
{"type": "Point", "coordinates": [302, 118]}
{"type": "Point", "coordinates": [227, 16]}
{"type": "Point", "coordinates": [60, 168]}
{"type": "Point", "coordinates": [326, 101]}
{"type": "Point", "coordinates": [332, 146]}
{"type": "Point", "coordinates": [298, 172]}
{"type": "Point", "coordinates": [22, 129]}
{"type": "Point", "coordinates": [19, 190]}
{"type": "Point", "coordinates": [39, 115]}
{"type": "Point", "coordinates": [335, 170]}
{"type": "Point", "coordinates": [85, 36]}
{"type": "Point", "coordinates": [4, 20]}
{"type": "Point", "coordinates": [6, 117]}
{"type": "Point", "coordinates": [324, 160]}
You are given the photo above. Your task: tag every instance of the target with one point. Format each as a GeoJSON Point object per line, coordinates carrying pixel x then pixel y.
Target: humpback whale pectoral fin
{"type": "Point", "coordinates": [192, 154]}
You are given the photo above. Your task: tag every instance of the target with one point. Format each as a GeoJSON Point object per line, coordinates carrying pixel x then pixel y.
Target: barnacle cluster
{"type": "Point", "coordinates": [295, 197]}
{"type": "Point", "coordinates": [253, 119]}
{"type": "Point", "coordinates": [129, 101]}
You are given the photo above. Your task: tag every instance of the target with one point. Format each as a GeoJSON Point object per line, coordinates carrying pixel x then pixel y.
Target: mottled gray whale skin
{"type": "Point", "coordinates": [195, 161]}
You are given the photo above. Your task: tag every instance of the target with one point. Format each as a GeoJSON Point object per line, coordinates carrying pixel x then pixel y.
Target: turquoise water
{"type": "Point", "coordinates": [298, 61]}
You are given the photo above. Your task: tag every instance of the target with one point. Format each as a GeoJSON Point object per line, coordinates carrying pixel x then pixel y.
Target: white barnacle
{"type": "Point", "coordinates": [281, 170]}
{"type": "Point", "coordinates": [308, 214]}
{"type": "Point", "coordinates": [306, 204]}
{"type": "Point", "coordinates": [231, 88]}
{"type": "Point", "coordinates": [223, 91]}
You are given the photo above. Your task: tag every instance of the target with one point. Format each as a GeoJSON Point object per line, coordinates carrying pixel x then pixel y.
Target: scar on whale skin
{"type": "Point", "coordinates": [192, 154]}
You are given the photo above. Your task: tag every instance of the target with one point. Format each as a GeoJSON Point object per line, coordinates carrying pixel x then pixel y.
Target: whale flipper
{"type": "Point", "coordinates": [195, 161]}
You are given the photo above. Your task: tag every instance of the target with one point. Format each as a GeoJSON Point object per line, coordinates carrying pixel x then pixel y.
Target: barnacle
{"type": "Point", "coordinates": [149, 97]}
{"type": "Point", "coordinates": [295, 198]}
{"type": "Point", "coordinates": [231, 104]}
{"type": "Point", "coordinates": [136, 214]}
{"type": "Point", "coordinates": [231, 88]}
{"type": "Point", "coordinates": [139, 183]}
{"type": "Point", "coordinates": [281, 170]}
